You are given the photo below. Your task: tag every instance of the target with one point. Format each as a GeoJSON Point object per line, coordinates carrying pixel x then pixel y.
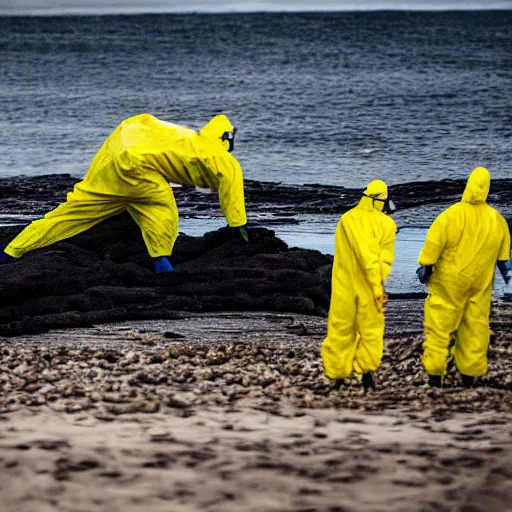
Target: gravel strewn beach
{"type": "Point", "coordinates": [231, 412]}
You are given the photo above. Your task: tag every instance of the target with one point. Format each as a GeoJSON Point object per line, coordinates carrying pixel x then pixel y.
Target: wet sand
{"type": "Point", "coordinates": [205, 389]}
{"type": "Point", "coordinates": [237, 458]}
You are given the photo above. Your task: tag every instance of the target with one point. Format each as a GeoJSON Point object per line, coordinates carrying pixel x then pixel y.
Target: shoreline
{"type": "Point", "coordinates": [36, 195]}
{"type": "Point", "coordinates": [95, 277]}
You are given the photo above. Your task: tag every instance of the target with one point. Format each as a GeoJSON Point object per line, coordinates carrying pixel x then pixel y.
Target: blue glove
{"type": "Point", "coordinates": [6, 258]}
{"type": "Point", "coordinates": [162, 265]}
{"type": "Point", "coordinates": [424, 273]}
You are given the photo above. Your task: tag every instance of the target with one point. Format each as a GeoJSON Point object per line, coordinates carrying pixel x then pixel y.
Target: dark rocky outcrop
{"type": "Point", "coordinates": [105, 274]}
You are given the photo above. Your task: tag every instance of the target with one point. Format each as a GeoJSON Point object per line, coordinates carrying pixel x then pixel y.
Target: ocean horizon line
{"type": "Point", "coordinates": [107, 11]}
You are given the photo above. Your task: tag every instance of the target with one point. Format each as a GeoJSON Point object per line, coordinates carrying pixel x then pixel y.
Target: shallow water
{"type": "Point", "coordinates": [317, 232]}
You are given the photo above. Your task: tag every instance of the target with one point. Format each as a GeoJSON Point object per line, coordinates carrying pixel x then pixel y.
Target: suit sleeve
{"type": "Point", "coordinates": [231, 191]}
{"type": "Point", "coordinates": [387, 249]}
{"type": "Point", "coordinates": [435, 241]}
{"type": "Point", "coordinates": [504, 253]}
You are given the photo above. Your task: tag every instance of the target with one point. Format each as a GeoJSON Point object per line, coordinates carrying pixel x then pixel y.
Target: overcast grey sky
{"type": "Point", "coordinates": [106, 6]}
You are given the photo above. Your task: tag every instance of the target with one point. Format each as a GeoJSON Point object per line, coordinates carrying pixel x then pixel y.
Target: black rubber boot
{"type": "Point", "coordinates": [6, 258]}
{"type": "Point", "coordinates": [467, 381]}
{"type": "Point", "coordinates": [337, 384]}
{"type": "Point", "coordinates": [435, 381]}
{"type": "Point", "coordinates": [367, 382]}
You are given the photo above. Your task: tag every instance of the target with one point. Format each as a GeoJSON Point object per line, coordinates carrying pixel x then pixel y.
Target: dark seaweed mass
{"type": "Point", "coordinates": [105, 274]}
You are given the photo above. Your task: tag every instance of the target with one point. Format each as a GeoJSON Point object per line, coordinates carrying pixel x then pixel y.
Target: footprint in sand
{"type": "Point", "coordinates": [463, 461]}
{"type": "Point", "coordinates": [51, 444]}
{"type": "Point", "coordinates": [64, 466]}
{"type": "Point", "coordinates": [160, 460]}
{"type": "Point", "coordinates": [410, 482]}
{"type": "Point", "coordinates": [113, 473]}
{"type": "Point", "coordinates": [22, 446]}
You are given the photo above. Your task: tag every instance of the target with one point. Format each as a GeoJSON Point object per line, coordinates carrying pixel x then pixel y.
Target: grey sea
{"type": "Point", "coordinates": [330, 98]}
{"type": "Point", "coordinates": [327, 98]}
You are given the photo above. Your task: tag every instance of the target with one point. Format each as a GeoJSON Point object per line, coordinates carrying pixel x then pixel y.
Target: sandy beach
{"type": "Point", "coordinates": [230, 412]}
{"type": "Point", "coordinates": [240, 458]}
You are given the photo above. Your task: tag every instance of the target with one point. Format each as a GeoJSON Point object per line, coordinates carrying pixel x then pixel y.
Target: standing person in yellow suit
{"type": "Point", "coordinates": [363, 256]}
{"type": "Point", "coordinates": [457, 261]}
{"type": "Point", "coordinates": [132, 171]}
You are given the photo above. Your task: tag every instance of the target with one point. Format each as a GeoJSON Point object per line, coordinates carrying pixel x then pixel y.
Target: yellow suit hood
{"type": "Point", "coordinates": [477, 186]}
{"type": "Point", "coordinates": [376, 189]}
{"type": "Point", "coordinates": [215, 129]}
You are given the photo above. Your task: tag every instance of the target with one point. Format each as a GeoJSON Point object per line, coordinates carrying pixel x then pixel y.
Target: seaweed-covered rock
{"type": "Point", "coordinates": [105, 274]}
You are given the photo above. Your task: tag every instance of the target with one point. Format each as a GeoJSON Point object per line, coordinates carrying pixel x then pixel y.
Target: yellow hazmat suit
{"type": "Point", "coordinates": [463, 243]}
{"type": "Point", "coordinates": [364, 253]}
{"type": "Point", "coordinates": [132, 171]}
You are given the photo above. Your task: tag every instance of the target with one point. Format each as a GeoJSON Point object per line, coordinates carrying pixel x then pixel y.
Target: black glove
{"type": "Point", "coordinates": [424, 273]}
{"type": "Point", "coordinates": [505, 268]}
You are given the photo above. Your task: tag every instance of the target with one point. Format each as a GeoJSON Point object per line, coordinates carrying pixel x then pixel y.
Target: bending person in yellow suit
{"type": "Point", "coordinates": [132, 171]}
{"type": "Point", "coordinates": [363, 256]}
{"type": "Point", "coordinates": [458, 259]}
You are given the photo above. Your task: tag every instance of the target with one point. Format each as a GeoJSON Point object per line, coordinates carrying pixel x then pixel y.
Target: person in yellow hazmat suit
{"type": "Point", "coordinates": [132, 171]}
{"type": "Point", "coordinates": [363, 256]}
{"type": "Point", "coordinates": [457, 260]}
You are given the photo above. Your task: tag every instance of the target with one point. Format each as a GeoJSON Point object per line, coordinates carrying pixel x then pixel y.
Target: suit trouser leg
{"type": "Point", "coordinates": [473, 336]}
{"type": "Point", "coordinates": [338, 348]}
{"type": "Point", "coordinates": [370, 345]}
{"type": "Point", "coordinates": [441, 321]}
{"type": "Point", "coordinates": [67, 220]}
{"type": "Point", "coordinates": [158, 220]}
